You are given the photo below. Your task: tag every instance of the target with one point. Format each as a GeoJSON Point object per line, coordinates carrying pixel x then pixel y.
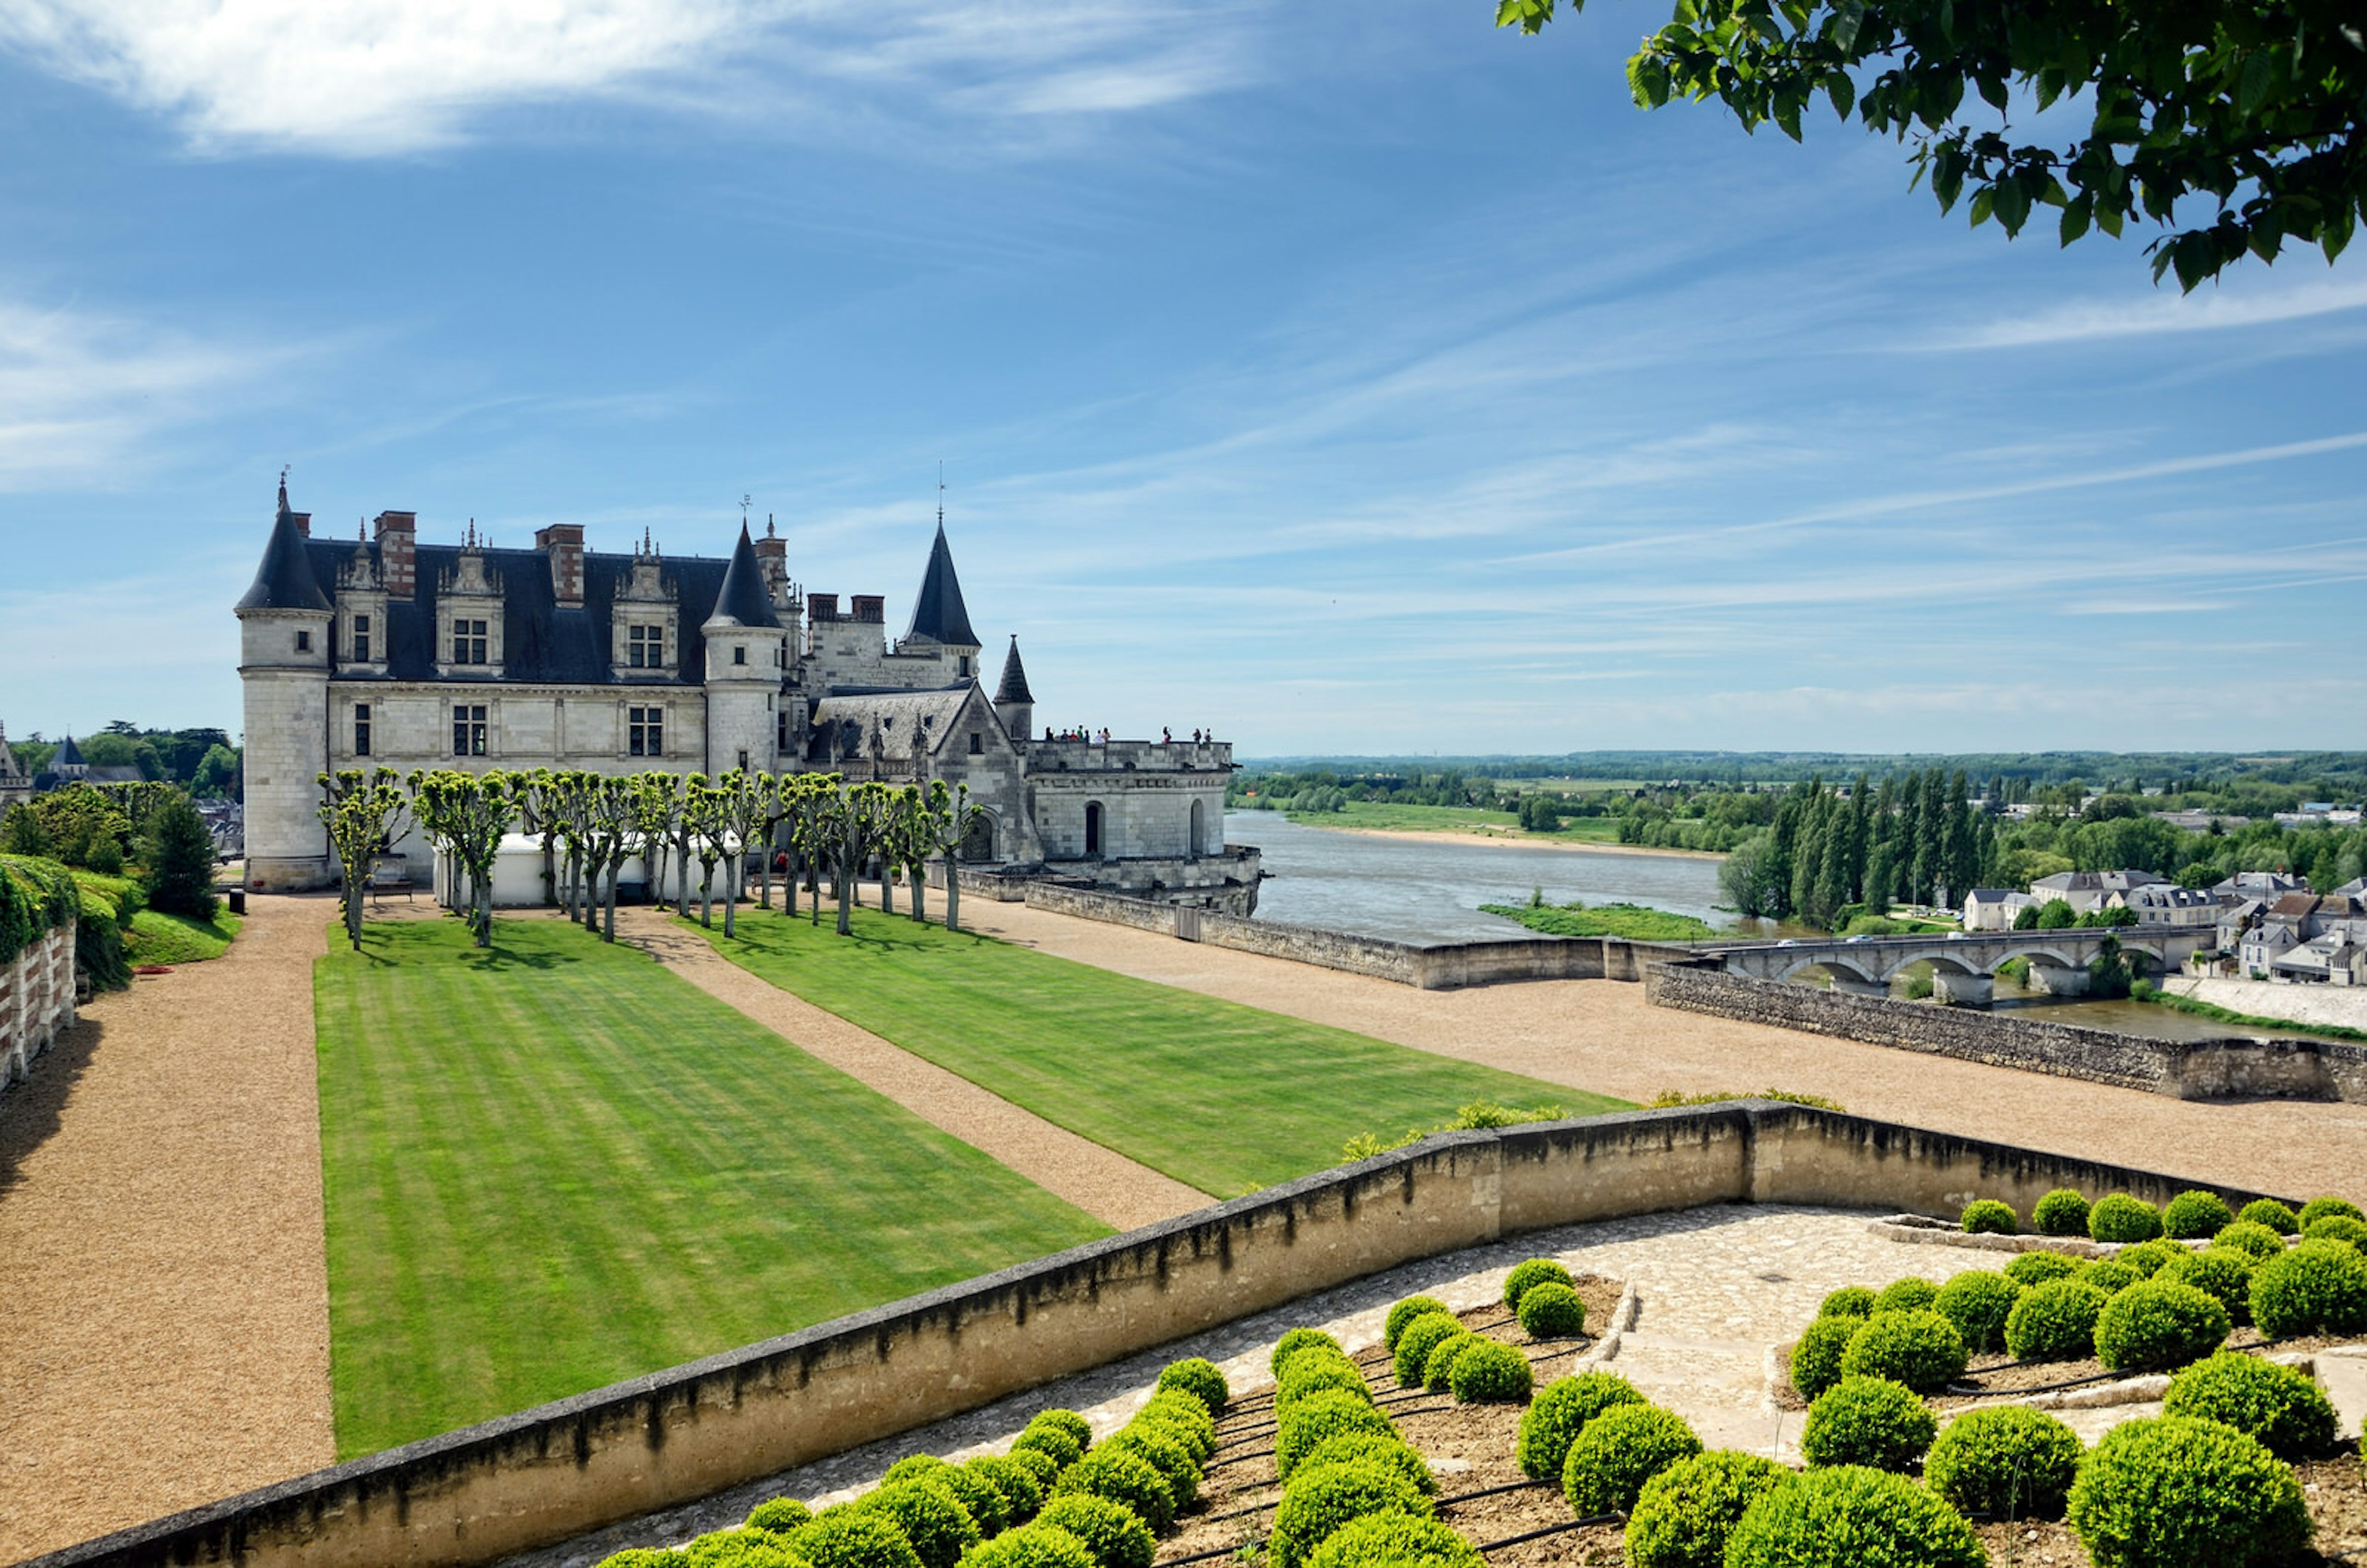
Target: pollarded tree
{"type": "Point", "coordinates": [365, 816]}
{"type": "Point", "coordinates": [813, 801]}
{"type": "Point", "coordinates": [2250, 107]}
{"type": "Point", "coordinates": [744, 802]}
{"type": "Point", "coordinates": [945, 823]}
{"type": "Point", "coordinates": [860, 820]}
{"type": "Point", "coordinates": [464, 815]}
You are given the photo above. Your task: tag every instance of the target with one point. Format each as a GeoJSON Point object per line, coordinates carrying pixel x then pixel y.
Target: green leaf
{"type": "Point", "coordinates": [1843, 92]}
{"type": "Point", "coordinates": [1787, 117]}
{"type": "Point", "coordinates": [2267, 236]}
{"type": "Point", "coordinates": [2252, 86]}
{"type": "Point", "coordinates": [1848, 18]}
{"type": "Point", "coordinates": [2074, 218]}
{"type": "Point", "coordinates": [2012, 204]}
{"type": "Point", "coordinates": [2108, 219]}
{"type": "Point", "coordinates": [2195, 259]}
{"type": "Point", "coordinates": [1992, 89]}
{"type": "Point", "coordinates": [1983, 200]}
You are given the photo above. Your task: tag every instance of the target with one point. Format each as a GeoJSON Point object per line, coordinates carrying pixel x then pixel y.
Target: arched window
{"type": "Point", "coordinates": [1092, 827]}
{"type": "Point", "coordinates": [1199, 830]}
{"type": "Point", "coordinates": [978, 839]}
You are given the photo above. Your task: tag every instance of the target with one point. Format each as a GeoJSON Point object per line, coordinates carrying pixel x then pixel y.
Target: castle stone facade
{"type": "Point", "coordinates": [382, 651]}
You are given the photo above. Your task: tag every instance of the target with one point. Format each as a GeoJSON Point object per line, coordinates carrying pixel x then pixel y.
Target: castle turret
{"type": "Point", "coordinates": [939, 618]}
{"type": "Point", "coordinates": [1014, 702]}
{"type": "Point", "coordinates": [747, 659]}
{"type": "Point", "coordinates": [284, 668]}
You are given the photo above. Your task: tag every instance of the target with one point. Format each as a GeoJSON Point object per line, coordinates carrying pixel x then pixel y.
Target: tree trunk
{"type": "Point", "coordinates": [707, 894]}
{"type": "Point", "coordinates": [353, 915]}
{"type": "Point", "coordinates": [846, 922]}
{"type": "Point", "coordinates": [731, 892]}
{"type": "Point", "coordinates": [887, 887]}
{"type": "Point", "coordinates": [789, 886]}
{"type": "Point", "coordinates": [919, 870]}
{"type": "Point", "coordinates": [485, 911]}
{"type": "Point", "coordinates": [765, 873]}
{"type": "Point", "coordinates": [953, 894]}
{"type": "Point", "coordinates": [615, 867]}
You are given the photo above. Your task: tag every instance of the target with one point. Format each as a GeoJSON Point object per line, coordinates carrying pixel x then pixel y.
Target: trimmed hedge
{"type": "Point", "coordinates": [2155, 1325]}
{"type": "Point", "coordinates": [1559, 1412]}
{"type": "Point", "coordinates": [1438, 1373]}
{"type": "Point", "coordinates": [1369, 1448]}
{"type": "Point", "coordinates": [2317, 1286]}
{"type": "Point", "coordinates": [1034, 1546]}
{"type": "Point", "coordinates": [1851, 1517]}
{"type": "Point", "coordinates": [2061, 1213]}
{"type": "Point", "coordinates": [1166, 1455]}
{"type": "Point", "coordinates": [1037, 1463]}
{"type": "Point", "coordinates": [1182, 1417]}
{"type": "Point", "coordinates": [2056, 1322]}
{"type": "Point", "coordinates": [1684, 1515]}
{"type": "Point", "coordinates": [2261, 1241]}
{"type": "Point", "coordinates": [1868, 1421]}
{"type": "Point", "coordinates": [1921, 1350]}
{"type": "Point", "coordinates": [1079, 1431]}
{"type": "Point", "coordinates": [2270, 1213]}
{"type": "Point", "coordinates": [1313, 1372]}
{"type": "Point", "coordinates": [2336, 1227]}
{"type": "Point", "coordinates": [1320, 1500]}
{"type": "Point", "coordinates": [1618, 1452]}
{"type": "Point", "coordinates": [1978, 1302]}
{"type": "Point", "coordinates": [1113, 1532]}
{"type": "Point", "coordinates": [779, 1514]}
{"type": "Point", "coordinates": [1122, 1476]}
{"type": "Point", "coordinates": [2195, 1215]}
{"type": "Point", "coordinates": [1198, 1376]}
{"type": "Point", "coordinates": [1536, 1271]}
{"type": "Point", "coordinates": [2274, 1405]}
{"type": "Point", "coordinates": [1399, 1541]}
{"type": "Point", "coordinates": [2122, 1218]}
{"type": "Point", "coordinates": [847, 1537]}
{"type": "Point", "coordinates": [1548, 1311]}
{"type": "Point", "coordinates": [1850, 1300]}
{"type": "Point", "coordinates": [2220, 1272]}
{"type": "Point", "coordinates": [1296, 1340]}
{"type": "Point", "coordinates": [931, 1518]}
{"type": "Point", "coordinates": [1317, 1418]}
{"type": "Point", "coordinates": [2034, 1268]}
{"type": "Point", "coordinates": [2108, 1275]}
{"type": "Point", "coordinates": [1490, 1373]}
{"type": "Point", "coordinates": [2317, 1209]}
{"type": "Point", "coordinates": [1052, 1442]}
{"type": "Point", "coordinates": [1405, 1312]}
{"type": "Point", "coordinates": [1023, 1489]}
{"type": "Point", "coordinates": [1416, 1340]}
{"type": "Point", "coordinates": [2173, 1492]}
{"type": "Point", "coordinates": [1912, 1293]}
{"type": "Point", "coordinates": [911, 1467]}
{"type": "Point", "coordinates": [1817, 1358]}
{"type": "Point", "coordinates": [741, 1548]}
{"type": "Point", "coordinates": [983, 1499]}
{"type": "Point", "coordinates": [2006, 1460]}
{"type": "Point", "coordinates": [1986, 1216]}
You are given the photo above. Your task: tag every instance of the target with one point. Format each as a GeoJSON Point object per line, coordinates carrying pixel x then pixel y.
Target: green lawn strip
{"type": "Point", "coordinates": [1225, 1098]}
{"type": "Point", "coordinates": [551, 1165]}
{"type": "Point", "coordinates": [1635, 922]}
{"type": "Point", "coordinates": [159, 938]}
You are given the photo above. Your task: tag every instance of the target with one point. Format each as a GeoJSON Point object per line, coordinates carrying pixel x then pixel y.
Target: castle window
{"type": "Point", "coordinates": [743, 762]}
{"type": "Point", "coordinates": [467, 730]}
{"type": "Point", "coordinates": [963, 663]}
{"type": "Point", "coordinates": [781, 732]}
{"type": "Point", "coordinates": [469, 642]}
{"type": "Point", "coordinates": [645, 648]}
{"type": "Point", "coordinates": [739, 656]}
{"type": "Point", "coordinates": [645, 732]}
{"type": "Point", "coordinates": [1092, 827]}
{"type": "Point", "coordinates": [361, 639]}
{"type": "Point", "coordinates": [976, 744]}
{"type": "Point", "coordinates": [303, 642]}
{"type": "Point", "coordinates": [361, 729]}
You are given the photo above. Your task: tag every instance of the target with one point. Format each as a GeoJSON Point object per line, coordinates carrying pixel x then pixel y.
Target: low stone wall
{"type": "Point", "coordinates": [2231, 1068]}
{"type": "Point", "coordinates": [37, 1001]}
{"type": "Point", "coordinates": [2311, 1006]}
{"type": "Point", "coordinates": [551, 1473]}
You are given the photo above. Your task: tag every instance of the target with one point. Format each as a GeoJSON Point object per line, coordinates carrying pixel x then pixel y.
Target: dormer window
{"type": "Point", "coordinates": [645, 648]}
{"type": "Point", "coordinates": [361, 639]}
{"type": "Point", "coordinates": [469, 641]}
{"type": "Point", "coordinates": [976, 744]}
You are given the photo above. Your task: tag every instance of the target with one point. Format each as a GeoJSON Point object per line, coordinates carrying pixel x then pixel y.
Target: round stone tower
{"type": "Point", "coordinates": [747, 654]}
{"type": "Point", "coordinates": [284, 668]}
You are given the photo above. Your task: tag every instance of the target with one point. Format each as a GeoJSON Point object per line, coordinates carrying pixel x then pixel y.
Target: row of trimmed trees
{"type": "Point", "coordinates": [592, 824]}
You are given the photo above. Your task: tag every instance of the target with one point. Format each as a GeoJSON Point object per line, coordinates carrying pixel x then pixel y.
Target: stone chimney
{"type": "Point", "coordinates": [868, 607]}
{"type": "Point", "coordinates": [822, 606]}
{"type": "Point", "coordinates": [563, 543]}
{"type": "Point", "coordinates": [398, 558]}
{"type": "Point", "coordinates": [303, 520]}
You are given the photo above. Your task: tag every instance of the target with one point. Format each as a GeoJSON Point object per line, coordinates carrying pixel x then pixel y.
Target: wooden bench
{"type": "Point", "coordinates": [391, 874]}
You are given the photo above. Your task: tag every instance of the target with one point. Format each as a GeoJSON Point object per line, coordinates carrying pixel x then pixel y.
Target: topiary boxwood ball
{"type": "Point", "coordinates": [911, 1467]}
{"type": "Point", "coordinates": [1405, 1312]}
{"type": "Point", "coordinates": [1122, 1476]}
{"type": "Point", "coordinates": [2056, 1322]}
{"type": "Point", "coordinates": [1618, 1452]}
{"type": "Point", "coordinates": [2108, 1275]}
{"type": "Point", "coordinates": [2007, 1461]}
{"type": "Point", "coordinates": [1313, 1372]}
{"type": "Point", "coordinates": [2194, 1214]}
{"type": "Point", "coordinates": [2148, 1257]}
{"type": "Point", "coordinates": [779, 1516]}
{"type": "Point", "coordinates": [1921, 1350]}
{"type": "Point", "coordinates": [2123, 1219]}
{"type": "Point", "coordinates": [2061, 1213]}
{"type": "Point", "coordinates": [1978, 1302]}
{"type": "Point", "coordinates": [2336, 1227]}
{"type": "Point", "coordinates": [2036, 1268]}
{"type": "Point", "coordinates": [1986, 1216]}
{"type": "Point", "coordinates": [854, 1538]}
{"type": "Point", "coordinates": [2317, 1209]}
{"type": "Point", "coordinates": [983, 1499]}
{"type": "Point", "coordinates": [1416, 1341]}
{"type": "Point", "coordinates": [2251, 1236]}
{"type": "Point", "coordinates": [1197, 1376]}
{"type": "Point", "coordinates": [1817, 1358]}
{"type": "Point", "coordinates": [741, 1548]}
{"type": "Point", "coordinates": [1318, 1502]}
{"type": "Point", "coordinates": [1870, 1421]}
{"type": "Point", "coordinates": [1021, 1488]}
{"type": "Point", "coordinates": [1366, 1448]}
{"type": "Point", "coordinates": [1052, 1442]}
{"type": "Point", "coordinates": [1037, 1463]}
{"type": "Point", "coordinates": [1317, 1418]}
{"type": "Point", "coordinates": [1298, 1339]}
{"type": "Point", "coordinates": [1552, 1312]}
{"type": "Point", "coordinates": [931, 1518]}
{"type": "Point", "coordinates": [1167, 1456]}
{"type": "Point", "coordinates": [1850, 1300]}
{"type": "Point", "coordinates": [1559, 1412]}
{"type": "Point", "coordinates": [1183, 1417]}
{"type": "Point", "coordinates": [2270, 1213]}
{"type": "Point", "coordinates": [1910, 1294]}
{"type": "Point", "coordinates": [1439, 1371]}
{"type": "Point", "coordinates": [1079, 1431]}
{"type": "Point", "coordinates": [641, 1557]}
{"type": "Point", "coordinates": [1490, 1374]}
{"type": "Point", "coordinates": [2317, 1287]}
{"type": "Point", "coordinates": [2277, 1406]}
{"type": "Point", "coordinates": [1399, 1541]}
{"type": "Point", "coordinates": [2173, 1492]}
{"type": "Point", "coordinates": [1684, 1516]}
{"type": "Point", "coordinates": [1852, 1517]}
{"type": "Point", "coordinates": [2155, 1325]}
{"type": "Point", "coordinates": [1536, 1271]}
{"type": "Point", "coordinates": [1036, 1546]}
{"type": "Point", "coordinates": [1113, 1532]}
{"type": "Point", "coordinates": [2220, 1272]}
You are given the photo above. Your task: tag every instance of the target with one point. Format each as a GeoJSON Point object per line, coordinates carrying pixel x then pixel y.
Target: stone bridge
{"type": "Point", "coordinates": [1962, 963]}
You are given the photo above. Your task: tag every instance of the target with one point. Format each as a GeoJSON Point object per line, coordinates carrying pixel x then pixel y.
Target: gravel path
{"type": "Point", "coordinates": [1601, 1035]}
{"type": "Point", "coordinates": [161, 1253]}
{"type": "Point", "coordinates": [1103, 1183]}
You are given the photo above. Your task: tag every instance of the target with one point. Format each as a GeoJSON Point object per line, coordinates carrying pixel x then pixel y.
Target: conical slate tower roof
{"type": "Point", "coordinates": [69, 755]}
{"type": "Point", "coordinates": [938, 613]}
{"type": "Point", "coordinates": [742, 599]}
{"type": "Point", "coordinates": [285, 580]}
{"type": "Point", "coordinates": [1013, 688]}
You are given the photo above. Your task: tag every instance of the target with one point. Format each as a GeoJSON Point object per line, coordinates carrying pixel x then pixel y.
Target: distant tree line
{"type": "Point", "coordinates": [202, 762]}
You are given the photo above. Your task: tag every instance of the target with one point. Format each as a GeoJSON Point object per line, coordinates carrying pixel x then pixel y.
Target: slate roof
{"type": "Point", "coordinates": [938, 613]}
{"type": "Point", "coordinates": [1013, 685]}
{"type": "Point", "coordinates": [286, 579]}
{"type": "Point", "coordinates": [67, 755]}
{"type": "Point", "coordinates": [742, 599]}
{"type": "Point", "coordinates": [847, 717]}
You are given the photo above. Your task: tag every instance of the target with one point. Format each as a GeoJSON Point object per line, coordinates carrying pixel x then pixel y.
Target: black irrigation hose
{"type": "Point", "coordinates": [1551, 1529]}
{"type": "Point", "coordinates": [1492, 1492]}
{"type": "Point", "coordinates": [1963, 1390]}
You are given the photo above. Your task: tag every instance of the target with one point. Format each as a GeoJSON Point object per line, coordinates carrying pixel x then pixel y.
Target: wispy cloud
{"type": "Point", "coordinates": [2245, 302]}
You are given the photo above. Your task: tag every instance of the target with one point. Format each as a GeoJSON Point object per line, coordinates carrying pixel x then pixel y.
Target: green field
{"type": "Point", "coordinates": [1225, 1098]}
{"type": "Point", "coordinates": [1456, 820]}
{"type": "Point", "coordinates": [551, 1165]}
{"type": "Point", "coordinates": [156, 938]}
{"type": "Point", "coordinates": [1634, 921]}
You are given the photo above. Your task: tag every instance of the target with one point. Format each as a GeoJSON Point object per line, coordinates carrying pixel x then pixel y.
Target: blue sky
{"type": "Point", "coordinates": [1344, 379]}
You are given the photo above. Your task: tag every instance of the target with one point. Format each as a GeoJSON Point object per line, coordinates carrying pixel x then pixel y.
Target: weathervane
{"type": "Point", "coordinates": [941, 493]}
{"type": "Point", "coordinates": [746, 500]}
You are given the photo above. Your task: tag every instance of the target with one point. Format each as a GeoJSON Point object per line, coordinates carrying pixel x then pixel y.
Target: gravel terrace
{"type": "Point", "coordinates": [161, 1250]}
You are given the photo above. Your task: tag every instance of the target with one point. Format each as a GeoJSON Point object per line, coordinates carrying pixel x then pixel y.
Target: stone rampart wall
{"type": "Point", "coordinates": [547, 1474]}
{"type": "Point", "coordinates": [2187, 1069]}
{"type": "Point", "coordinates": [37, 1001]}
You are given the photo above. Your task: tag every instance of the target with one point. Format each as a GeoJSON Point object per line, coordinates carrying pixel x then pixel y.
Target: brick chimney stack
{"type": "Point", "coordinates": [868, 607]}
{"type": "Point", "coordinates": [398, 539]}
{"type": "Point", "coordinates": [563, 543]}
{"type": "Point", "coordinates": [822, 606]}
{"type": "Point", "coordinates": [303, 520]}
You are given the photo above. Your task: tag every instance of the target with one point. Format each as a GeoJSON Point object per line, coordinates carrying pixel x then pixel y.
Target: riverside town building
{"type": "Point", "coordinates": [382, 651]}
